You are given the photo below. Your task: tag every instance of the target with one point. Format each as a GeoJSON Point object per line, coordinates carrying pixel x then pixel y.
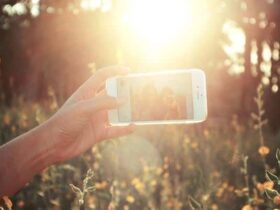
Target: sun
{"type": "Point", "coordinates": [158, 21]}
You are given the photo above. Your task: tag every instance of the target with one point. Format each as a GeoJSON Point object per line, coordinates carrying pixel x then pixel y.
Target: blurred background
{"type": "Point", "coordinates": [48, 48]}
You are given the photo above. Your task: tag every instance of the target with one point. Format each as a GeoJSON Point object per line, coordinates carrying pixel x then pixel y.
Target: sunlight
{"type": "Point", "coordinates": [235, 46]}
{"type": "Point", "coordinates": [103, 5]}
{"type": "Point", "coordinates": [158, 22]}
{"type": "Point", "coordinates": [35, 8]}
{"type": "Point", "coordinates": [266, 64]}
{"type": "Point", "coordinates": [90, 4]}
{"type": "Point", "coordinates": [236, 38]}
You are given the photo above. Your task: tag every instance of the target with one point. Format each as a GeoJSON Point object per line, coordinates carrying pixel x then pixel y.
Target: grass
{"type": "Point", "coordinates": [206, 166]}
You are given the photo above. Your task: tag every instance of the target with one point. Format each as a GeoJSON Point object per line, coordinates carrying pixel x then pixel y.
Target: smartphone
{"type": "Point", "coordinates": [165, 97]}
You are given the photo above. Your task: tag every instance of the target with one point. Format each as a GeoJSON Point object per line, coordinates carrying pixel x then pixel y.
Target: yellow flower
{"type": "Point", "coordinates": [13, 129]}
{"type": "Point", "coordinates": [8, 202]}
{"type": "Point", "coordinates": [135, 181]}
{"type": "Point", "coordinates": [247, 207]}
{"type": "Point", "coordinates": [214, 207]}
{"type": "Point", "coordinates": [264, 150]}
{"type": "Point", "coordinates": [153, 183]}
{"type": "Point", "coordinates": [266, 185]}
{"type": "Point", "coordinates": [101, 185]}
{"type": "Point", "coordinates": [130, 199]}
{"type": "Point", "coordinates": [276, 200]}
{"type": "Point", "coordinates": [7, 119]}
{"type": "Point", "coordinates": [20, 203]}
{"type": "Point", "coordinates": [126, 207]}
{"type": "Point", "coordinates": [139, 186]}
{"type": "Point", "coordinates": [194, 145]}
{"type": "Point", "coordinates": [158, 171]}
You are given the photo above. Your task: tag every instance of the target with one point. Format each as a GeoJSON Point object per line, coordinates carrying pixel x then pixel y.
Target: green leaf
{"type": "Point", "coordinates": [278, 154]}
{"type": "Point", "coordinates": [270, 193]}
{"type": "Point", "coordinates": [271, 177]}
{"type": "Point", "coordinates": [194, 204]}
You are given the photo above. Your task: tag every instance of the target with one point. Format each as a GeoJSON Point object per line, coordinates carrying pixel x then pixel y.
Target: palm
{"type": "Point", "coordinates": [92, 132]}
{"type": "Point", "coordinates": [83, 120]}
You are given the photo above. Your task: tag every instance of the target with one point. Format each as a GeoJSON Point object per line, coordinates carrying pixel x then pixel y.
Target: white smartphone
{"type": "Point", "coordinates": [165, 97]}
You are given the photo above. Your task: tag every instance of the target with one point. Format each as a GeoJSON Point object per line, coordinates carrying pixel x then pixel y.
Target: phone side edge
{"type": "Point", "coordinates": [112, 90]}
{"type": "Point", "coordinates": [200, 111]}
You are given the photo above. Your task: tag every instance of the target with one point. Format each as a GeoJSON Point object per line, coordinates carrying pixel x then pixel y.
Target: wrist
{"type": "Point", "coordinates": [45, 146]}
{"type": "Point", "coordinates": [24, 157]}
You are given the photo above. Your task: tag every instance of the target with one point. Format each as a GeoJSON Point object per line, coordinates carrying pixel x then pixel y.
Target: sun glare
{"type": "Point", "coordinates": [235, 47]}
{"type": "Point", "coordinates": [157, 21]}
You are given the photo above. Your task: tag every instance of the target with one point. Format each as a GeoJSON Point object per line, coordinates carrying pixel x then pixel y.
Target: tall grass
{"type": "Point", "coordinates": [214, 165]}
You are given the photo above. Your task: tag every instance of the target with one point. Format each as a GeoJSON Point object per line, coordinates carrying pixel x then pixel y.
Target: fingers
{"type": "Point", "coordinates": [94, 83]}
{"type": "Point", "coordinates": [102, 92]}
{"type": "Point", "coordinates": [116, 131]}
{"type": "Point", "coordinates": [98, 103]}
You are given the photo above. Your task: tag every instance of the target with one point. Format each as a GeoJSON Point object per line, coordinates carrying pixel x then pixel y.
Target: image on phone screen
{"type": "Point", "coordinates": [165, 97]}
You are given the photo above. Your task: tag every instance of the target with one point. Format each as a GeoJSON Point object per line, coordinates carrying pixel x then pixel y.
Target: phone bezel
{"type": "Point", "coordinates": [198, 95]}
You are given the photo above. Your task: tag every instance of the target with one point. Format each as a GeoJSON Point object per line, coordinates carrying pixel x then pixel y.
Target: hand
{"type": "Point", "coordinates": [82, 121]}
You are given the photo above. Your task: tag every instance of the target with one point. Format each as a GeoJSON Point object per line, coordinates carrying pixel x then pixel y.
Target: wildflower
{"type": "Point", "coordinates": [266, 185]}
{"type": "Point", "coordinates": [247, 207]}
{"type": "Point", "coordinates": [264, 150]}
{"type": "Point", "coordinates": [123, 184]}
{"type": "Point", "coordinates": [166, 175]}
{"type": "Point", "coordinates": [101, 185]}
{"type": "Point", "coordinates": [139, 186]}
{"type": "Point", "coordinates": [158, 171]}
{"type": "Point", "coordinates": [130, 199]}
{"type": "Point", "coordinates": [94, 149]}
{"type": "Point", "coordinates": [206, 133]}
{"type": "Point", "coordinates": [96, 166]}
{"type": "Point", "coordinates": [214, 207]}
{"type": "Point", "coordinates": [194, 145]}
{"type": "Point", "coordinates": [220, 192]}
{"type": "Point", "coordinates": [276, 200]}
{"type": "Point", "coordinates": [126, 207]}
{"type": "Point", "coordinates": [13, 129]}
{"type": "Point", "coordinates": [111, 206]}
{"type": "Point", "coordinates": [153, 183]}
{"type": "Point", "coordinates": [178, 167]}
{"type": "Point", "coordinates": [6, 119]}
{"type": "Point", "coordinates": [8, 202]}
{"type": "Point", "coordinates": [20, 204]}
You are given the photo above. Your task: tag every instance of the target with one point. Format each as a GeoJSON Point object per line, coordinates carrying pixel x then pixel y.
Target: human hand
{"type": "Point", "coordinates": [82, 121]}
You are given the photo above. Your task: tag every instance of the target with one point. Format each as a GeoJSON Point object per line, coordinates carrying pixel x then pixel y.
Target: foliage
{"type": "Point", "coordinates": [202, 162]}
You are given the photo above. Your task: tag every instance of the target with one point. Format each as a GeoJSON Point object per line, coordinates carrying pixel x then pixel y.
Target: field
{"type": "Point", "coordinates": [229, 162]}
{"type": "Point", "coordinates": [215, 165]}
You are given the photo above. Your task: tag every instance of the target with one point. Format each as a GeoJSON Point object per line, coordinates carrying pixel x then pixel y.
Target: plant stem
{"type": "Point", "coordinates": [82, 207]}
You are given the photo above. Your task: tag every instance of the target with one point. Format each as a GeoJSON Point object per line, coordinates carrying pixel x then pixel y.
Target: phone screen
{"type": "Point", "coordinates": [157, 98]}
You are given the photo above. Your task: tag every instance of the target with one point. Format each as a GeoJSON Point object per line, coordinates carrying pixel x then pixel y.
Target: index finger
{"type": "Point", "coordinates": [101, 75]}
{"type": "Point", "coordinates": [93, 84]}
